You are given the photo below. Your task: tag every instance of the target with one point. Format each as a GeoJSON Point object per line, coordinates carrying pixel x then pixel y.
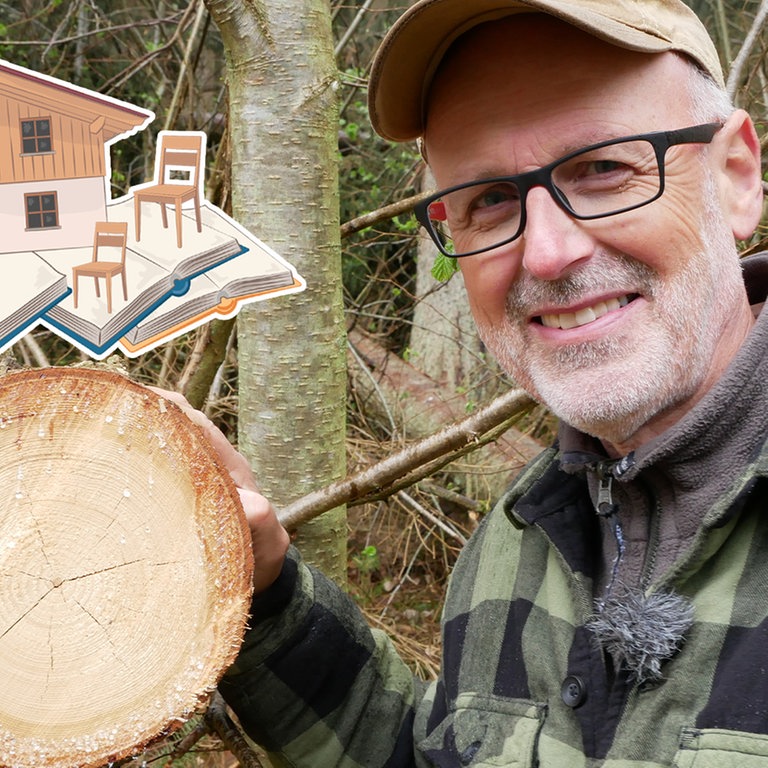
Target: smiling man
{"type": "Point", "coordinates": [612, 610]}
{"type": "Point", "coordinates": [546, 300]}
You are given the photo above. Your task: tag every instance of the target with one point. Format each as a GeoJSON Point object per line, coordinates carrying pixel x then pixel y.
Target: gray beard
{"type": "Point", "coordinates": [619, 403]}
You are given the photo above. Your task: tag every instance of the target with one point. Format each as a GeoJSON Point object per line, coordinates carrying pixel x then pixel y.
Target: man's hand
{"type": "Point", "coordinates": [269, 539]}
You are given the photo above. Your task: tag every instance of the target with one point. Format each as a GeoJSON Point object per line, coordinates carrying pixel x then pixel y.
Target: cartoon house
{"type": "Point", "coordinates": [54, 139]}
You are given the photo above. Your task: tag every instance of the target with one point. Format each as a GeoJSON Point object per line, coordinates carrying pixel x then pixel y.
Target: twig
{"type": "Point", "coordinates": [98, 32]}
{"type": "Point", "coordinates": [452, 496]}
{"type": "Point", "coordinates": [29, 343]}
{"type": "Point", "coordinates": [424, 512]}
{"type": "Point", "coordinates": [174, 108]}
{"type": "Point", "coordinates": [406, 574]}
{"type": "Point", "coordinates": [734, 78]}
{"type": "Point", "coordinates": [215, 721]}
{"type": "Point", "coordinates": [379, 215]}
{"type": "Point", "coordinates": [146, 58]}
{"type": "Point", "coordinates": [345, 38]}
{"type": "Point", "coordinates": [185, 745]}
{"type": "Point", "coordinates": [375, 384]}
{"type": "Point", "coordinates": [220, 723]}
{"type": "Point", "coordinates": [411, 463]}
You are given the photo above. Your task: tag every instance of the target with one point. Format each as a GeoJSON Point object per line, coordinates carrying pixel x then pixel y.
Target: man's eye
{"type": "Point", "coordinates": [497, 196]}
{"type": "Point", "coordinates": [606, 166]}
{"type": "Point", "coordinates": [595, 174]}
{"type": "Point", "coordinates": [602, 167]}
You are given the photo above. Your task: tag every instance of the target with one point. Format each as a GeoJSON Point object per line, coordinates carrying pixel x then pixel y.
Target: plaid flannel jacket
{"type": "Point", "coordinates": [522, 684]}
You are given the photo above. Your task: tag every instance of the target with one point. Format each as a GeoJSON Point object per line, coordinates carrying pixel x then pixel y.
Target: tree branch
{"type": "Point", "coordinates": [381, 214]}
{"type": "Point", "coordinates": [413, 462]}
{"type": "Point", "coordinates": [222, 725]}
{"type": "Point", "coordinates": [737, 68]}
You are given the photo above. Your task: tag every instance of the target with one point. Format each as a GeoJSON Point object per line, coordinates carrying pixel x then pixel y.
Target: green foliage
{"type": "Point", "coordinates": [367, 560]}
{"type": "Point", "coordinates": [444, 268]}
{"type": "Point", "coordinates": [366, 563]}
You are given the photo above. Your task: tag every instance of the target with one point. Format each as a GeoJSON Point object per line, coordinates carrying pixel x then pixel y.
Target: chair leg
{"type": "Point", "coordinates": [178, 223]}
{"type": "Point", "coordinates": [165, 215]}
{"type": "Point", "coordinates": [197, 214]}
{"type": "Point", "coordinates": [108, 281]}
{"type": "Point", "coordinates": [125, 287]}
{"type": "Point", "coordinates": [137, 215]}
{"type": "Point", "coordinates": [74, 287]}
{"type": "Point", "coordinates": [96, 283]}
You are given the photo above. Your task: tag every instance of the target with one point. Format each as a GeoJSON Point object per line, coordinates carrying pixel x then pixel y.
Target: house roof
{"type": "Point", "coordinates": [110, 116]}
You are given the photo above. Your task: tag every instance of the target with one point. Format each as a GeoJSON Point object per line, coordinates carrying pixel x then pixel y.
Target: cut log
{"type": "Point", "coordinates": [125, 568]}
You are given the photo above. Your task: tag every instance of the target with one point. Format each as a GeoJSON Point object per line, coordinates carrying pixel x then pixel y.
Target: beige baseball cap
{"type": "Point", "coordinates": [409, 55]}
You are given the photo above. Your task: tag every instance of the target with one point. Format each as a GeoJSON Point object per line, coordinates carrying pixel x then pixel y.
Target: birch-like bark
{"type": "Point", "coordinates": [283, 123]}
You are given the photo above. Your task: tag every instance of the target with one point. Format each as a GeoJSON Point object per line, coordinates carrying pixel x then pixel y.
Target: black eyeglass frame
{"type": "Point", "coordinates": [661, 141]}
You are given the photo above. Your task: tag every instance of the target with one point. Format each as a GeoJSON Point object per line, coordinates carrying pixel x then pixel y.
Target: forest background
{"type": "Point", "coordinates": [379, 353]}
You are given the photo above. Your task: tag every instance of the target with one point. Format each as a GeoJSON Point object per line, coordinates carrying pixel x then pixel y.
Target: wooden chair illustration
{"type": "Point", "coordinates": [181, 153]}
{"type": "Point", "coordinates": [106, 234]}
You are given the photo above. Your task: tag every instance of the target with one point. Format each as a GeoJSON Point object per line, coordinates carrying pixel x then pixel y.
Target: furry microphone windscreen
{"type": "Point", "coordinates": [641, 631]}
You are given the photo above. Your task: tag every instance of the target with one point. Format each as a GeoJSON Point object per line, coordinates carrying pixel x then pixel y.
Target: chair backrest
{"type": "Point", "coordinates": [181, 151]}
{"type": "Point", "coordinates": [110, 234]}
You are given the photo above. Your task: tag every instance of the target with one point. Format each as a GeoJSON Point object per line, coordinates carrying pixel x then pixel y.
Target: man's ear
{"type": "Point", "coordinates": [740, 174]}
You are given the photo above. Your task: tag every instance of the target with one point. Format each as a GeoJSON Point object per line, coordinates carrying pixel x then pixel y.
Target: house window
{"type": "Point", "coordinates": [42, 210]}
{"type": "Point", "coordinates": [36, 136]}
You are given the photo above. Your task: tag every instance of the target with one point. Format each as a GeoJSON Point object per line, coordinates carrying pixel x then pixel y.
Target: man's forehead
{"type": "Point", "coordinates": [557, 86]}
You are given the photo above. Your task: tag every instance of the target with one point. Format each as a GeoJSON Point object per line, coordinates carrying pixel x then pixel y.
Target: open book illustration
{"type": "Point", "coordinates": [129, 273]}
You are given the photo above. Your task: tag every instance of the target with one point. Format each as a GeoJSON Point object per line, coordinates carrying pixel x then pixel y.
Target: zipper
{"type": "Point", "coordinates": [605, 505]}
{"type": "Point", "coordinates": [607, 509]}
{"type": "Point", "coordinates": [653, 547]}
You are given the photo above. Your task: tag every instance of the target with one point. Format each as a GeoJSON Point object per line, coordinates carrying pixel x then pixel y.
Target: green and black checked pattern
{"type": "Point", "coordinates": [314, 686]}
{"type": "Point", "coordinates": [317, 688]}
{"type": "Point", "coordinates": [516, 633]}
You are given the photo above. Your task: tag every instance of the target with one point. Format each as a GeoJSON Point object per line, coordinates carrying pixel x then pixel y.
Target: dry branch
{"type": "Point", "coordinates": [413, 462]}
{"type": "Point", "coordinates": [220, 723]}
{"type": "Point", "coordinates": [381, 214]}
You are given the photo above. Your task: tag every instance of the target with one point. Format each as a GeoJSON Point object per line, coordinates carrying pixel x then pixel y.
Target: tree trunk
{"type": "Point", "coordinates": [283, 123]}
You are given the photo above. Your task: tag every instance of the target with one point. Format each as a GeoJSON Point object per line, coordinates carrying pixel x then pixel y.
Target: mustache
{"type": "Point", "coordinates": [614, 272]}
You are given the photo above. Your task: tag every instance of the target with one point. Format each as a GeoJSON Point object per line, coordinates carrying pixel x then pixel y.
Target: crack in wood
{"type": "Point", "coordinates": [27, 612]}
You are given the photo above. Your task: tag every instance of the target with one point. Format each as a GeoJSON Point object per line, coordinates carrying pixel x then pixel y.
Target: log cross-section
{"type": "Point", "coordinates": [125, 568]}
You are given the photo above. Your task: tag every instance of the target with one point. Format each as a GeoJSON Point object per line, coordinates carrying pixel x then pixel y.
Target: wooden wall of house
{"type": "Point", "coordinates": [76, 151]}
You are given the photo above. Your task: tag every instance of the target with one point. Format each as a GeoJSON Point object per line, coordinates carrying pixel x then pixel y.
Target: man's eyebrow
{"type": "Point", "coordinates": [596, 135]}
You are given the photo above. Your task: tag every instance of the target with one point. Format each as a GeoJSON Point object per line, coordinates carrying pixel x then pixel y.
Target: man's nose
{"type": "Point", "coordinates": [553, 241]}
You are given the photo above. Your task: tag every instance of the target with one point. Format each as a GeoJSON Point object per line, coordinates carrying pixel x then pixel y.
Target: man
{"type": "Point", "coordinates": [612, 610]}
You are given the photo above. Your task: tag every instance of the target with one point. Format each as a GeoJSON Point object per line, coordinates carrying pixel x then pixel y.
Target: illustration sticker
{"type": "Point", "coordinates": [127, 273]}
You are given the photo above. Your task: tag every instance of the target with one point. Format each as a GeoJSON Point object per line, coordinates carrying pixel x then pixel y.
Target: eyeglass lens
{"type": "Point", "coordinates": [594, 183]}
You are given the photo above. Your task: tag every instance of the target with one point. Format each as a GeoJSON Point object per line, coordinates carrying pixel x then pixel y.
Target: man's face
{"type": "Point", "coordinates": [618, 324]}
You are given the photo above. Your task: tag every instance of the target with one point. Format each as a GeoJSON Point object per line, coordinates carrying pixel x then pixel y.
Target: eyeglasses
{"type": "Point", "coordinates": [600, 180]}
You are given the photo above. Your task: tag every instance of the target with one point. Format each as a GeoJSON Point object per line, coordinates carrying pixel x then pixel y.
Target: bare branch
{"type": "Point", "coordinates": [736, 73]}
{"type": "Point", "coordinates": [172, 19]}
{"type": "Point", "coordinates": [382, 214]}
{"type": "Point", "coordinates": [411, 463]}
{"type": "Point", "coordinates": [222, 725]}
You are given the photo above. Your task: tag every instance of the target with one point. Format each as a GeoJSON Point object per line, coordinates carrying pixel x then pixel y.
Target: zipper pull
{"type": "Point", "coordinates": [605, 505]}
